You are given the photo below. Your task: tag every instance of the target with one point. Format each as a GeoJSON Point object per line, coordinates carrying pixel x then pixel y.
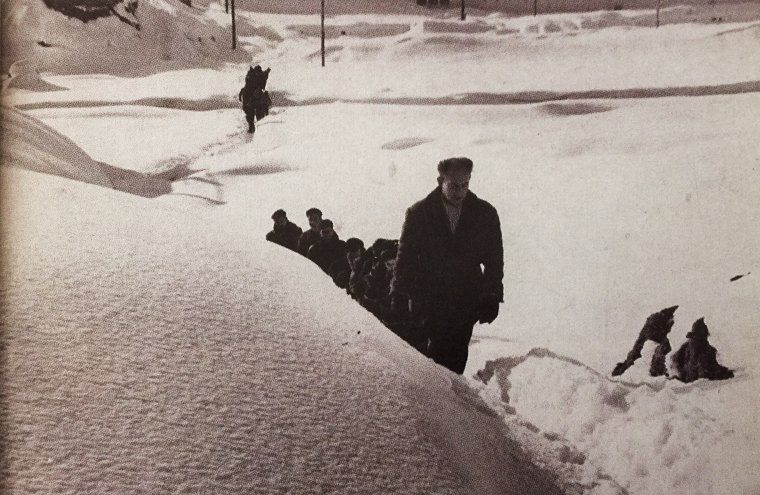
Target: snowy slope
{"type": "Point", "coordinates": [170, 36]}
{"type": "Point", "coordinates": [30, 144]}
{"type": "Point", "coordinates": [418, 60]}
{"type": "Point", "coordinates": [627, 182]}
{"type": "Point", "coordinates": [143, 354]}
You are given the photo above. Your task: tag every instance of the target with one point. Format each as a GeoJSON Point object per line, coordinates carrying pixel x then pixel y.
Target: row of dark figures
{"type": "Point", "coordinates": [695, 359]}
{"type": "Point", "coordinates": [363, 272]}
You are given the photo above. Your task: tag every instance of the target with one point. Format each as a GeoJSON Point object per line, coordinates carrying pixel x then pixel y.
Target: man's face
{"type": "Point", "coordinates": [314, 221]}
{"type": "Point", "coordinates": [326, 232]}
{"type": "Point", "coordinates": [280, 221]}
{"type": "Point", "coordinates": [389, 264]}
{"type": "Point", "coordinates": [353, 257]}
{"type": "Point", "coordinates": [455, 185]}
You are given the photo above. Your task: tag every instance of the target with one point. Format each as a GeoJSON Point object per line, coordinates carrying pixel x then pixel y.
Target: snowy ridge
{"type": "Point", "coordinates": [633, 430]}
{"type": "Point", "coordinates": [192, 368]}
{"type": "Point", "coordinates": [170, 36]}
{"type": "Point", "coordinates": [30, 144]}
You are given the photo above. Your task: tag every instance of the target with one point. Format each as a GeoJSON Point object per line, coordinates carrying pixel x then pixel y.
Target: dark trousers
{"type": "Point", "coordinates": [449, 329]}
{"type": "Point", "coordinates": [249, 117]}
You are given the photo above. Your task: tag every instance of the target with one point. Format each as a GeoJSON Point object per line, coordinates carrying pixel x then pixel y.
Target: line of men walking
{"type": "Point", "coordinates": [446, 272]}
{"type": "Point", "coordinates": [432, 285]}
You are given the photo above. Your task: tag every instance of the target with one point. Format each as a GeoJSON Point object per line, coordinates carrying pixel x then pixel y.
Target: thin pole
{"type": "Point", "coordinates": [657, 24]}
{"type": "Point", "coordinates": [463, 14]}
{"type": "Point", "coordinates": [535, 8]}
{"type": "Point", "coordinates": [234, 34]}
{"type": "Point", "coordinates": [323, 32]}
{"type": "Point", "coordinates": [226, 6]}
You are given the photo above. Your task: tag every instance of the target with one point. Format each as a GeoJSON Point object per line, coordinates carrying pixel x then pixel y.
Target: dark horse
{"type": "Point", "coordinates": [255, 98]}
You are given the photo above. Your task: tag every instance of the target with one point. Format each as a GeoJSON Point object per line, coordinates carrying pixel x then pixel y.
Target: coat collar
{"type": "Point", "coordinates": [434, 205]}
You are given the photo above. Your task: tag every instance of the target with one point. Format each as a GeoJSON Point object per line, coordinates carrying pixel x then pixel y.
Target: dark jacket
{"type": "Point", "coordinates": [435, 265]}
{"type": "Point", "coordinates": [325, 253]}
{"type": "Point", "coordinates": [698, 359]}
{"type": "Point", "coordinates": [286, 235]}
{"type": "Point", "coordinates": [307, 240]}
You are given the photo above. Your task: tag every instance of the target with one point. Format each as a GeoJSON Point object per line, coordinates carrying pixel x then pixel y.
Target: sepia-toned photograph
{"type": "Point", "coordinates": [380, 247]}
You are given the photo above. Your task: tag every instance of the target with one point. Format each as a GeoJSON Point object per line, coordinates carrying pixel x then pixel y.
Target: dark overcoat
{"type": "Point", "coordinates": [285, 235]}
{"type": "Point", "coordinates": [437, 267]}
{"type": "Point", "coordinates": [307, 240]}
{"type": "Point", "coordinates": [326, 252]}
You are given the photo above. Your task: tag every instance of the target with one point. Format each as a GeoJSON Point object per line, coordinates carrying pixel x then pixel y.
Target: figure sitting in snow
{"type": "Point", "coordinates": [697, 358]}
{"type": "Point", "coordinates": [311, 235]}
{"type": "Point", "coordinates": [255, 98]}
{"type": "Point", "coordinates": [377, 297]}
{"type": "Point", "coordinates": [656, 329]}
{"type": "Point", "coordinates": [354, 254]}
{"type": "Point", "coordinates": [284, 232]}
{"type": "Point", "coordinates": [328, 249]}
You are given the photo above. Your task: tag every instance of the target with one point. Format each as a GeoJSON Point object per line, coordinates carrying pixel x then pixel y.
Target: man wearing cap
{"type": "Point", "coordinates": [285, 233]}
{"type": "Point", "coordinates": [311, 236]}
{"type": "Point", "coordinates": [450, 264]}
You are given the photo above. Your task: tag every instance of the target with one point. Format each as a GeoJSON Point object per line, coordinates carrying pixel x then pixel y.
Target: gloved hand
{"type": "Point", "coordinates": [488, 308]}
{"type": "Point", "coordinates": [400, 304]}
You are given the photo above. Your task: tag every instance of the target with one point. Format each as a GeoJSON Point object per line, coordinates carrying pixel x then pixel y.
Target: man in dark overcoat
{"type": "Point", "coordinates": [450, 264]}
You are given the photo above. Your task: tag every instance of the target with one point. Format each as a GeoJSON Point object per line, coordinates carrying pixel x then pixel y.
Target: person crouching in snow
{"type": "Point", "coordinates": [697, 358]}
{"type": "Point", "coordinates": [656, 329]}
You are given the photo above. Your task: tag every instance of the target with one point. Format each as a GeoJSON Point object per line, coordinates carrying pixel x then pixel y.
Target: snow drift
{"type": "Point", "coordinates": [166, 34]}
{"type": "Point", "coordinates": [30, 144]}
{"type": "Point", "coordinates": [142, 354]}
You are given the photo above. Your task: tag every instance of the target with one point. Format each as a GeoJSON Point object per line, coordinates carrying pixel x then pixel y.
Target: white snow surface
{"type": "Point", "coordinates": [160, 345]}
{"type": "Point", "coordinates": [150, 349]}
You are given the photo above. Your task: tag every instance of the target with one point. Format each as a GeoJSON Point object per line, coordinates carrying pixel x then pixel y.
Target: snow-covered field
{"type": "Point", "coordinates": [154, 342]}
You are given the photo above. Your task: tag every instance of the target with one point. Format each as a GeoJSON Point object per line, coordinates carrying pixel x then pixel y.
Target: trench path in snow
{"type": "Point", "coordinates": [283, 99]}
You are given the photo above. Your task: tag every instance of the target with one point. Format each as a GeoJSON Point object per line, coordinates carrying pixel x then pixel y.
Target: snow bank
{"type": "Point", "coordinates": [170, 36]}
{"type": "Point", "coordinates": [658, 438]}
{"type": "Point", "coordinates": [150, 348]}
{"type": "Point", "coordinates": [407, 59]}
{"type": "Point", "coordinates": [30, 144]}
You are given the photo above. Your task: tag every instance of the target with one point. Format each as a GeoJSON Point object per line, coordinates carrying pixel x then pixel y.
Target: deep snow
{"type": "Point", "coordinates": [613, 206]}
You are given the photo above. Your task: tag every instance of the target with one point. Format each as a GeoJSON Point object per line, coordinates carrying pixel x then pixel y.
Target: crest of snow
{"type": "Point", "coordinates": [157, 356]}
{"type": "Point", "coordinates": [659, 438]}
{"type": "Point", "coordinates": [164, 5]}
{"type": "Point", "coordinates": [30, 144]}
{"type": "Point", "coordinates": [170, 36]}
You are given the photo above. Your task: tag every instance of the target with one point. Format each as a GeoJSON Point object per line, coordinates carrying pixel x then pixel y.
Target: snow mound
{"type": "Point", "coordinates": [159, 35]}
{"type": "Point", "coordinates": [650, 437]}
{"type": "Point", "coordinates": [30, 144]}
{"type": "Point", "coordinates": [234, 366]}
{"type": "Point", "coordinates": [24, 75]}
